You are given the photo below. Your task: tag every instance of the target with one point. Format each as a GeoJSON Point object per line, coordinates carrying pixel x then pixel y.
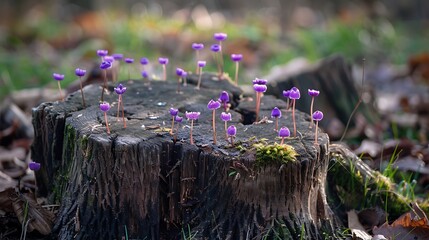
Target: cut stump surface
{"type": "Point", "coordinates": [140, 183]}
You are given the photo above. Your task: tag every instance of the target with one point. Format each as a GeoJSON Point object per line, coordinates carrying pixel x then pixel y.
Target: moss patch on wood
{"type": "Point", "coordinates": [273, 154]}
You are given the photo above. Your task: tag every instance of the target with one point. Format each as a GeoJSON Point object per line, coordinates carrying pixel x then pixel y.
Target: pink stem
{"type": "Point", "coordinates": [192, 126]}
{"type": "Point", "coordinates": [315, 137]}
{"type": "Point", "coordinates": [107, 124]}
{"type": "Point", "coordinates": [81, 91]}
{"type": "Point", "coordinates": [197, 57]}
{"type": "Point", "coordinates": [258, 101]}
{"type": "Point", "coordinates": [281, 143]}
{"type": "Point", "coordinates": [178, 84]}
{"type": "Point", "coordinates": [172, 126]}
{"type": "Point", "coordinates": [277, 124]}
{"type": "Point", "coordinates": [61, 92]}
{"type": "Point", "coordinates": [226, 130]}
{"type": "Point", "coordinates": [236, 73]}
{"type": "Point", "coordinates": [214, 127]}
{"type": "Point", "coordinates": [293, 117]}
{"type": "Point", "coordinates": [164, 69]}
{"type": "Point", "coordinates": [311, 111]}
{"type": "Point", "coordinates": [199, 78]}
{"type": "Point", "coordinates": [123, 113]}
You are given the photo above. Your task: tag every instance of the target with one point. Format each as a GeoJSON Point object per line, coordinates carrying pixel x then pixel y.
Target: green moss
{"type": "Point", "coordinates": [273, 154]}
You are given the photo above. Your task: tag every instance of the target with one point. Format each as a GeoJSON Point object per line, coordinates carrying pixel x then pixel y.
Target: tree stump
{"type": "Point", "coordinates": [137, 182]}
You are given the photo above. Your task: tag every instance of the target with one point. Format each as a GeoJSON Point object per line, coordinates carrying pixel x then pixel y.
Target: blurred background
{"type": "Point", "coordinates": [41, 37]}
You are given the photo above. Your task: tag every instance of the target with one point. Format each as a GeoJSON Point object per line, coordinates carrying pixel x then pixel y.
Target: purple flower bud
{"type": "Point", "coordinates": [179, 72]}
{"type": "Point", "coordinates": [260, 87]}
{"type": "Point", "coordinates": [178, 119]}
{"type": "Point", "coordinates": [129, 60]}
{"type": "Point", "coordinates": [225, 116]}
{"type": "Point", "coordinates": [286, 93]}
{"type": "Point", "coordinates": [80, 72]}
{"type": "Point", "coordinates": [224, 97]}
{"type": "Point", "coordinates": [232, 130]}
{"type": "Point", "coordinates": [313, 93]}
{"type": "Point", "coordinates": [201, 64]}
{"type": "Point", "coordinates": [236, 57]}
{"type": "Point", "coordinates": [34, 166]}
{"type": "Point", "coordinates": [118, 56]}
{"type": "Point", "coordinates": [220, 36]}
{"type": "Point", "coordinates": [163, 61]}
{"type": "Point", "coordinates": [317, 115]}
{"type": "Point", "coordinates": [144, 61]}
{"type": "Point", "coordinates": [276, 113]}
{"type": "Point", "coordinates": [58, 77]}
{"type": "Point", "coordinates": [259, 81]}
{"type": "Point", "coordinates": [105, 65]}
{"type": "Point", "coordinates": [213, 105]}
{"type": "Point", "coordinates": [197, 46]}
{"type": "Point", "coordinates": [105, 106]}
{"type": "Point", "coordinates": [145, 74]}
{"type": "Point", "coordinates": [215, 48]}
{"type": "Point", "coordinates": [174, 111]}
{"type": "Point", "coordinates": [192, 115]}
{"type": "Point", "coordinates": [294, 93]}
{"type": "Point", "coordinates": [284, 132]}
{"type": "Point", "coordinates": [120, 89]}
{"type": "Point", "coordinates": [102, 52]}
{"type": "Point", "coordinates": [109, 59]}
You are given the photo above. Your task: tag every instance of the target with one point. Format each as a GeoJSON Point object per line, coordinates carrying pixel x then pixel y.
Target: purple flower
{"type": "Point", "coordinates": [225, 116]}
{"type": "Point", "coordinates": [58, 77]}
{"type": "Point", "coordinates": [144, 61]}
{"type": "Point", "coordinates": [259, 81]}
{"type": "Point", "coordinates": [260, 88]}
{"type": "Point", "coordinates": [213, 105]}
{"type": "Point", "coordinates": [224, 97]}
{"type": "Point", "coordinates": [179, 72]}
{"type": "Point", "coordinates": [184, 74]}
{"type": "Point", "coordinates": [286, 93]}
{"type": "Point", "coordinates": [197, 46]}
{"type": "Point", "coordinates": [80, 72]}
{"type": "Point", "coordinates": [178, 119]}
{"type": "Point", "coordinates": [220, 36]}
{"type": "Point", "coordinates": [236, 57]}
{"type": "Point", "coordinates": [105, 106]}
{"type": "Point", "coordinates": [102, 52]}
{"type": "Point", "coordinates": [215, 48]}
{"type": "Point", "coordinates": [317, 116]}
{"type": "Point", "coordinates": [276, 113]}
{"type": "Point", "coordinates": [109, 58]}
{"type": "Point", "coordinates": [313, 93]}
{"type": "Point", "coordinates": [294, 93]}
{"type": "Point", "coordinates": [201, 64]}
{"type": "Point", "coordinates": [120, 89]}
{"type": "Point", "coordinates": [34, 166]}
{"type": "Point", "coordinates": [192, 115]}
{"type": "Point", "coordinates": [118, 56]}
{"type": "Point", "coordinates": [129, 60]}
{"type": "Point", "coordinates": [174, 111]}
{"type": "Point", "coordinates": [163, 61]}
{"type": "Point", "coordinates": [232, 130]}
{"type": "Point", "coordinates": [284, 132]}
{"type": "Point", "coordinates": [145, 74]}
{"type": "Point", "coordinates": [105, 65]}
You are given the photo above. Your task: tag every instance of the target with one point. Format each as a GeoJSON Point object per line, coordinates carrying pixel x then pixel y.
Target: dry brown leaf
{"type": "Point", "coordinates": [411, 225]}
{"type": "Point", "coordinates": [356, 227]}
{"type": "Point", "coordinates": [40, 219]}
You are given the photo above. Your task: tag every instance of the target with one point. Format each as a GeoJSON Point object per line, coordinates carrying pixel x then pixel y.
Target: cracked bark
{"type": "Point", "coordinates": [138, 180]}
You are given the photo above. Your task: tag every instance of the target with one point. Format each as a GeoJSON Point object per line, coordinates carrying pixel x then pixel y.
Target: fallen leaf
{"type": "Point", "coordinates": [356, 227]}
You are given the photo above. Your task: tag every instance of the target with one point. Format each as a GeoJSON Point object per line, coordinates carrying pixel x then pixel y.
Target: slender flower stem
{"type": "Point", "coordinates": [283, 139]}
{"type": "Point", "coordinates": [199, 78]}
{"type": "Point", "coordinates": [232, 140]}
{"type": "Point", "coordinates": [107, 124]}
{"type": "Point", "coordinates": [123, 113]}
{"type": "Point", "coordinates": [179, 81]}
{"type": "Point", "coordinates": [164, 69]}
{"type": "Point", "coordinates": [104, 85]}
{"type": "Point", "coordinates": [226, 130]}
{"type": "Point", "coordinates": [277, 124]}
{"type": "Point", "coordinates": [119, 104]}
{"type": "Point", "coordinates": [172, 126]}
{"type": "Point", "coordinates": [315, 135]}
{"type": "Point", "coordinates": [61, 92]}
{"type": "Point", "coordinates": [197, 70]}
{"type": "Point", "coordinates": [287, 104]}
{"type": "Point", "coordinates": [311, 111]}
{"type": "Point", "coordinates": [192, 126]}
{"type": "Point", "coordinates": [221, 59]}
{"type": "Point", "coordinates": [214, 126]}
{"type": "Point", "coordinates": [293, 117]}
{"type": "Point", "coordinates": [258, 102]}
{"type": "Point", "coordinates": [81, 91]}
{"type": "Point", "coordinates": [236, 73]}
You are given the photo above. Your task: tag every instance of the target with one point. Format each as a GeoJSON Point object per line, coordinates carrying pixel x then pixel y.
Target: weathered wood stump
{"type": "Point", "coordinates": [138, 182]}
